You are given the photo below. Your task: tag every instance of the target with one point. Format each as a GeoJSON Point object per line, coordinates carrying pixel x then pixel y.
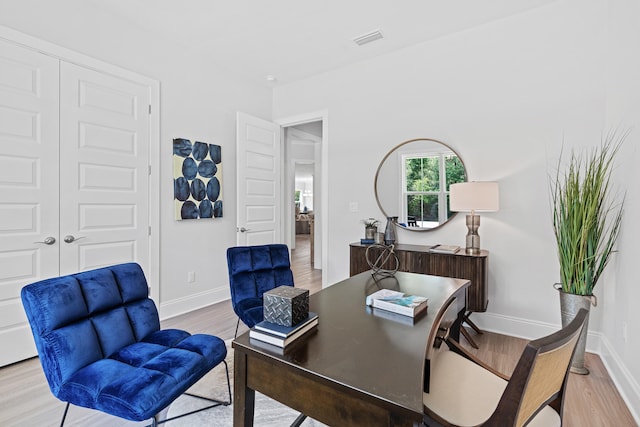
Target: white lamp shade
{"type": "Point", "coordinates": [474, 196]}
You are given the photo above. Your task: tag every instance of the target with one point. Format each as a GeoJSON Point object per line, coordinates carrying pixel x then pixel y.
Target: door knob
{"type": "Point", "coordinates": [243, 230]}
{"type": "Point", "coordinates": [70, 239]}
{"type": "Point", "coordinates": [48, 241]}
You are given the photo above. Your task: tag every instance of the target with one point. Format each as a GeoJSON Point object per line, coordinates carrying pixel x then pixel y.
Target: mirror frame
{"type": "Point", "coordinates": [375, 181]}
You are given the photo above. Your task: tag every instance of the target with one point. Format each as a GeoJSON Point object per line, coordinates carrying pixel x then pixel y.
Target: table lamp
{"type": "Point", "coordinates": [473, 197]}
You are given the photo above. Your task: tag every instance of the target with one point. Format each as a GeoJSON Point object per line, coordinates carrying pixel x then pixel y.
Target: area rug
{"type": "Point", "coordinates": [268, 412]}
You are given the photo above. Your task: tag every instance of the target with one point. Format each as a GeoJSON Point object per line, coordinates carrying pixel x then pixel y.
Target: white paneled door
{"type": "Point", "coordinates": [29, 214]}
{"type": "Point", "coordinates": [258, 161]}
{"type": "Point", "coordinates": [104, 135]}
{"type": "Point", "coordinates": [74, 178]}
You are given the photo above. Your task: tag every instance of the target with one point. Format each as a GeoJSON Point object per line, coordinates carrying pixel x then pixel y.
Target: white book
{"type": "Point", "coordinates": [382, 293]}
{"type": "Point", "coordinates": [395, 317]}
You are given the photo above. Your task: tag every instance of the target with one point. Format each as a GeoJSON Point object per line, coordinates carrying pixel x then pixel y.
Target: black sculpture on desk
{"type": "Point", "coordinates": [386, 263]}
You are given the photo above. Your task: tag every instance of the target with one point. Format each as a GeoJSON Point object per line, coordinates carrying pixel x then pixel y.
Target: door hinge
{"type": "Point", "coordinates": [149, 230]}
{"type": "Point", "coordinates": [149, 170]}
{"type": "Point", "coordinates": [149, 109]}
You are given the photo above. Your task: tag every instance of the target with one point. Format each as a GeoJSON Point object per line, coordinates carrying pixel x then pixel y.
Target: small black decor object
{"type": "Point", "coordinates": [390, 230]}
{"type": "Point", "coordinates": [286, 305]}
{"type": "Point", "coordinates": [382, 260]}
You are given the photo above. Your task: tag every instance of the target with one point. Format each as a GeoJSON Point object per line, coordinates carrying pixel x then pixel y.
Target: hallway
{"type": "Point", "coordinates": [304, 275]}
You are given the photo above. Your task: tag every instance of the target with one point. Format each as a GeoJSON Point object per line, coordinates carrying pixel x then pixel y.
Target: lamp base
{"type": "Point", "coordinates": [473, 238]}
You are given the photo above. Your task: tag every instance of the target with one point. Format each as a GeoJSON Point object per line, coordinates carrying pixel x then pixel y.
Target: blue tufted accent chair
{"type": "Point", "coordinates": [253, 270]}
{"type": "Point", "coordinates": [100, 344]}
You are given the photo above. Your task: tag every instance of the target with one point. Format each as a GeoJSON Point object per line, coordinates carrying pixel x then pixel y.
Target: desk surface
{"type": "Point", "coordinates": [362, 349]}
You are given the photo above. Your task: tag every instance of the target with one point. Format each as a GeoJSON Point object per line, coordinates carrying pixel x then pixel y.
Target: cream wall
{"type": "Point", "coordinates": [505, 96]}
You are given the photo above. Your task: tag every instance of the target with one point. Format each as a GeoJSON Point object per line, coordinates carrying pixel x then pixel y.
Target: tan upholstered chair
{"type": "Point", "coordinates": [466, 392]}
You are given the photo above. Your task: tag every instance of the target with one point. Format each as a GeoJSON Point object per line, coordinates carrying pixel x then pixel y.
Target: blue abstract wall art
{"type": "Point", "coordinates": [197, 179]}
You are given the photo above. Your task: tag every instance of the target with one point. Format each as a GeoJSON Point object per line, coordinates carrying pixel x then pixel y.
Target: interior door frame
{"type": "Point", "coordinates": [153, 271]}
{"type": "Point", "coordinates": [321, 115]}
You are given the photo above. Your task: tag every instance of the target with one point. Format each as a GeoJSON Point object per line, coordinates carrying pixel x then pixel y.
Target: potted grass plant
{"type": "Point", "coordinates": [587, 215]}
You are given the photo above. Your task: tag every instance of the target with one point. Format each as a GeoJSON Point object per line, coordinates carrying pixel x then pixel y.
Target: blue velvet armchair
{"type": "Point", "coordinates": [100, 344]}
{"type": "Point", "coordinates": [253, 270]}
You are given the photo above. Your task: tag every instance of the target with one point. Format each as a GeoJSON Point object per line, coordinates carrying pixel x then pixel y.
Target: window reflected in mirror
{"type": "Point", "coordinates": [413, 180]}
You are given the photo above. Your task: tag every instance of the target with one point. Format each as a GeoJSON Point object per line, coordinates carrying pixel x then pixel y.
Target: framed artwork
{"type": "Point", "coordinates": [197, 179]}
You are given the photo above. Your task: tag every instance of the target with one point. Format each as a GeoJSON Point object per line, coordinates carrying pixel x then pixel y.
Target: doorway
{"type": "Point", "coordinates": [302, 153]}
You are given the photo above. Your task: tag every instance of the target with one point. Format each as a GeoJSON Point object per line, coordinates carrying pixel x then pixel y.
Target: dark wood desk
{"type": "Point", "coordinates": [359, 367]}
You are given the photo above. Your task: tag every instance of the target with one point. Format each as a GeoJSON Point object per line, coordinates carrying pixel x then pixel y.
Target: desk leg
{"type": "Point", "coordinates": [243, 396]}
{"type": "Point", "coordinates": [473, 326]}
{"type": "Point", "coordinates": [470, 323]}
{"type": "Point", "coordinates": [470, 340]}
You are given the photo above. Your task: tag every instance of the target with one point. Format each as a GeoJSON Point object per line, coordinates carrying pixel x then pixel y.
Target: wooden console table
{"type": "Point", "coordinates": [418, 259]}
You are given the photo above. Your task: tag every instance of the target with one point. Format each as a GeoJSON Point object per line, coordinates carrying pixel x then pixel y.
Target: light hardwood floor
{"type": "Point", "coordinates": [25, 400]}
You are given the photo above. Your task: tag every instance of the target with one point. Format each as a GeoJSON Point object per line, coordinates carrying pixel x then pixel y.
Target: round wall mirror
{"type": "Point", "coordinates": [412, 183]}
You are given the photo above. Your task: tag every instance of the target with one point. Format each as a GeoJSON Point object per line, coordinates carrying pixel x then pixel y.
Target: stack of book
{"type": "Point", "coordinates": [279, 335]}
{"type": "Point", "coordinates": [397, 302]}
{"type": "Point", "coordinates": [444, 249]}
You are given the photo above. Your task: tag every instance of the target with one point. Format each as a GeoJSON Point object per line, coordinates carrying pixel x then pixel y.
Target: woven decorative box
{"type": "Point", "coordinates": [286, 305]}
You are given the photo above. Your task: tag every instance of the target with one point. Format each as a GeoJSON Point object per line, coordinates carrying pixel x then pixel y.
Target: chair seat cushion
{"type": "Point", "coordinates": [250, 311]}
{"type": "Point", "coordinates": [141, 379]}
{"type": "Point", "coordinates": [466, 394]}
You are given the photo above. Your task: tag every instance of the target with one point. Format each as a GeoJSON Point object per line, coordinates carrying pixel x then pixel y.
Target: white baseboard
{"type": "Point", "coordinates": [184, 305]}
{"type": "Point", "coordinates": [596, 343]}
{"type": "Point", "coordinates": [527, 329]}
{"type": "Point", "coordinates": [624, 381]}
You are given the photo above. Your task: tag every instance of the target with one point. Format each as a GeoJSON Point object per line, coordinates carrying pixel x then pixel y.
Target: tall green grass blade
{"type": "Point", "coordinates": [586, 217]}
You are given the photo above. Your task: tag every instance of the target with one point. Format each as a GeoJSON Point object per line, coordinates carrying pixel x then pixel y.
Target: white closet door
{"type": "Point", "coordinates": [104, 147]}
{"type": "Point", "coordinates": [28, 187]}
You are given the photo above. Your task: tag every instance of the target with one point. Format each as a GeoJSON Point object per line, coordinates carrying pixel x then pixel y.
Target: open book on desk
{"type": "Point", "coordinates": [397, 302]}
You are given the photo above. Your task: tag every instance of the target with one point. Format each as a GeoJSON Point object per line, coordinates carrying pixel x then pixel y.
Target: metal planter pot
{"type": "Point", "coordinates": [570, 304]}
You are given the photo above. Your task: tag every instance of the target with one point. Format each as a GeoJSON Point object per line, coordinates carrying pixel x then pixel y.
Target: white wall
{"type": "Point", "coordinates": [199, 102]}
{"type": "Point", "coordinates": [623, 111]}
{"type": "Point", "coordinates": [505, 96]}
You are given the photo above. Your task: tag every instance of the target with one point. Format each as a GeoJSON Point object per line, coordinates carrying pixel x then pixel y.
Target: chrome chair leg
{"type": "Point", "coordinates": [214, 401]}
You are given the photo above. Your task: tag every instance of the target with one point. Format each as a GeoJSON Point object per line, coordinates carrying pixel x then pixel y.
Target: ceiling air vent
{"type": "Point", "coordinates": [368, 38]}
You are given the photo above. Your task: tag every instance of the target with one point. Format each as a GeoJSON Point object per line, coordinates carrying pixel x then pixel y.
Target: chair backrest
{"type": "Point", "coordinates": [540, 377]}
{"type": "Point", "coordinates": [253, 270]}
{"type": "Point", "coordinates": [81, 318]}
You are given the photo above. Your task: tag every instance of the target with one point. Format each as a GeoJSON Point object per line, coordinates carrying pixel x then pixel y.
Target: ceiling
{"type": "Point", "coordinates": [287, 39]}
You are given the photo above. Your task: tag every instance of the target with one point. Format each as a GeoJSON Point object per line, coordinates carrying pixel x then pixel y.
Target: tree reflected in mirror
{"type": "Point", "coordinates": [413, 180]}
